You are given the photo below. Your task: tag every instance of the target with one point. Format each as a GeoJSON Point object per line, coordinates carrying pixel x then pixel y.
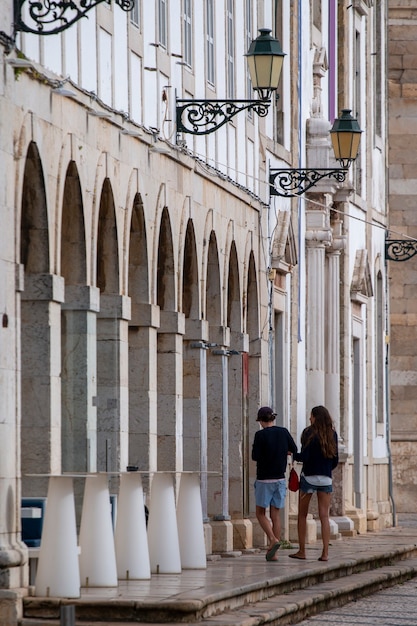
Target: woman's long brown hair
{"type": "Point", "coordinates": [323, 429]}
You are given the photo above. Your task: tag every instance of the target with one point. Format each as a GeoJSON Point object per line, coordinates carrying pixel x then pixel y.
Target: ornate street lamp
{"type": "Point", "coordinates": [400, 249]}
{"type": "Point", "coordinates": [49, 17]}
{"type": "Point", "coordinates": [345, 135]}
{"type": "Point", "coordinates": [201, 117]}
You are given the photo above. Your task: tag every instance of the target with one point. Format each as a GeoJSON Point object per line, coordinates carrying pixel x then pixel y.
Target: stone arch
{"type": "Point", "coordinates": [107, 264]}
{"type": "Point", "coordinates": [73, 244]}
{"type": "Point", "coordinates": [99, 180]}
{"type": "Point", "coordinates": [251, 312]}
{"type": "Point", "coordinates": [34, 240]}
{"type": "Point", "coordinates": [68, 172]}
{"type": "Point", "coordinates": [165, 281]}
{"type": "Point", "coordinates": [160, 207]}
{"type": "Point", "coordinates": [190, 292]}
{"type": "Point", "coordinates": [213, 287]}
{"type": "Point", "coordinates": [234, 305]}
{"type": "Point", "coordinates": [138, 272]}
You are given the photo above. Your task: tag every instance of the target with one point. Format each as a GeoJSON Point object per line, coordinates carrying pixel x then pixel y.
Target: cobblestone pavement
{"type": "Point", "coordinates": [396, 606]}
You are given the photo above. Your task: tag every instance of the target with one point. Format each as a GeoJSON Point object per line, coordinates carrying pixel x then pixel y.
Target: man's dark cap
{"type": "Point", "coordinates": [266, 414]}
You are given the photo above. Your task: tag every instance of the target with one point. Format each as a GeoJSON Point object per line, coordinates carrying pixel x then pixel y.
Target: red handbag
{"type": "Point", "coordinates": [293, 480]}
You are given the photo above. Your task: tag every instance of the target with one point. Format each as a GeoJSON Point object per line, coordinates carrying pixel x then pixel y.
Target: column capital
{"type": "Point", "coordinates": [114, 305]}
{"type": "Point", "coordinates": [145, 314]}
{"type": "Point", "coordinates": [338, 244]}
{"type": "Point", "coordinates": [172, 322]}
{"type": "Point", "coordinates": [239, 341]}
{"type": "Point", "coordinates": [81, 298]}
{"type": "Point", "coordinates": [220, 335]}
{"type": "Point", "coordinates": [196, 330]}
{"type": "Point", "coordinates": [318, 238]}
{"type": "Point", "coordinates": [44, 287]}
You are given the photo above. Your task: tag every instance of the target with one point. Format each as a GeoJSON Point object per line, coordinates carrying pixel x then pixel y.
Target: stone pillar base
{"type": "Point", "coordinates": [258, 535]}
{"type": "Point", "coordinates": [242, 534]}
{"type": "Point", "coordinates": [334, 530]}
{"type": "Point", "coordinates": [372, 520]}
{"type": "Point", "coordinates": [11, 606]}
{"type": "Point", "coordinates": [359, 520]}
{"type": "Point", "coordinates": [311, 534]}
{"type": "Point", "coordinates": [222, 536]}
{"type": "Point", "coordinates": [345, 525]}
{"type": "Point", "coordinates": [208, 538]}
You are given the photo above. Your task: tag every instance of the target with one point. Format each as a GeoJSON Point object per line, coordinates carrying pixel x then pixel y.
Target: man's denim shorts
{"type": "Point", "coordinates": [267, 494]}
{"type": "Point", "coordinates": [306, 487]}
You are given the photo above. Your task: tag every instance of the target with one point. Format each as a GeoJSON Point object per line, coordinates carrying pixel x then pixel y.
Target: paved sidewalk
{"type": "Point", "coordinates": [228, 579]}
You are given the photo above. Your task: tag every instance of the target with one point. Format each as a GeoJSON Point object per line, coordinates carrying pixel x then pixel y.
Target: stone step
{"type": "Point", "coordinates": [283, 599]}
{"type": "Point", "coordinates": [300, 604]}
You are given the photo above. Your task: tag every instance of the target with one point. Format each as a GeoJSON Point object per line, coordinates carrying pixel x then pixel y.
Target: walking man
{"type": "Point", "coordinates": [271, 447]}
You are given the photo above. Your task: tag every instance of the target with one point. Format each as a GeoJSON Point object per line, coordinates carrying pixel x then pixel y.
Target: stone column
{"type": "Point", "coordinates": [170, 391]}
{"type": "Point", "coordinates": [12, 552]}
{"type": "Point", "coordinates": [143, 329]}
{"type": "Point", "coordinates": [41, 382]}
{"type": "Point", "coordinates": [239, 458]}
{"type": "Point", "coordinates": [79, 378]}
{"type": "Point", "coordinates": [195, 401]}
{"type": "Point", "coordinates": [112, 383]}
{"type": "Point", "coordinates": [332, 395]}
{"type": "Point", "coordinates": [317, 239]}
{"type": "Point", "coordinates": [218, 440]}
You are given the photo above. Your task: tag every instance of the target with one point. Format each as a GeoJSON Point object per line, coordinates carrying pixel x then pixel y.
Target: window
{"type": "Point", "coordinates": [230, 48]}
{"type": "Point", "coordinates": [279, 113]}
{"type": "Point", "coordinates": [188, 33]}
{"type": "Point", "coordinates": [134, 14]}
{"type": "Point", "coordinates": [249, 37]}
{"type": "Point", "coordinates": [379, 352]}
{"type": "Point", "coordinates": [357, 99]}
{"type": "Point", "coordinates": [316, 13]}
{"type": "Point", "coordinates": [210, 41]}
{"type": "Point", "coordinates": [162, 23]}
{"type": "Point", "coordinates": [378, 76]}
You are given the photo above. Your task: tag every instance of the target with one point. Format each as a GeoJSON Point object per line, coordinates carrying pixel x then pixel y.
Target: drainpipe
{"type": "Point", "coordinates": [203, 346]}
{"type": "Point", "coordinates": [225, 353]}
{"type": "Point", "coordinates": [387, 403]}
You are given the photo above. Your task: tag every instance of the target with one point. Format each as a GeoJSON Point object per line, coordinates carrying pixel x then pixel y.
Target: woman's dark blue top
{"type": "Point", "coordinates": [314, 462]}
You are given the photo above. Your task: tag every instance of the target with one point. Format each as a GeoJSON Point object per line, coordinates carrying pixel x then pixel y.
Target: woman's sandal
{"type": "Point", "coordinates": [296, 556]}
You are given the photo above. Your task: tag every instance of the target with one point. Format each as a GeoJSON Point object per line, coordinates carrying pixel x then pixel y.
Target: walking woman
{"type": "Point", "coordinates": [319, 455]}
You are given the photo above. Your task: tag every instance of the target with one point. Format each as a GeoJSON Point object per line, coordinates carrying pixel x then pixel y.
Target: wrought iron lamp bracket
{"type": "Point", "coordinates": [202, 117]}
{"type": "Point", "coordinates": [49, 17]}
{"type": "Point", "coordinates": [290, 183]}
{"type": "Point", "coordinates": [400, 249]}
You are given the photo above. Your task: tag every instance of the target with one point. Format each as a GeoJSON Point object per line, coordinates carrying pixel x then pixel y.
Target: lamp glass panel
{"type": "Point", "coordinates": [345, 145]}
{"type": "Point", "coordinates": [265, 70]}
{"type": "Point", "coordinates": [276, 71]}
{"type": "Point", "coordinates": [252, 71]}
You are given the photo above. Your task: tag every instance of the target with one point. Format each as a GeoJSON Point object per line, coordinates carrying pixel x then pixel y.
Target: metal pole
{"type": "Point", "coordinates": [67, 615]}
{"type": "Point", "coordinates": [203, 431]}
{"type": "Point", "coordinates": [225, 439]}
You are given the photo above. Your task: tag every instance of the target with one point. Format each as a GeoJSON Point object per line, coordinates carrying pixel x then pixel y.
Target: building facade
{"type": "Point", "coordinates": [155, 291]}
{"type": "Point", "coordinates": [402, 164]}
